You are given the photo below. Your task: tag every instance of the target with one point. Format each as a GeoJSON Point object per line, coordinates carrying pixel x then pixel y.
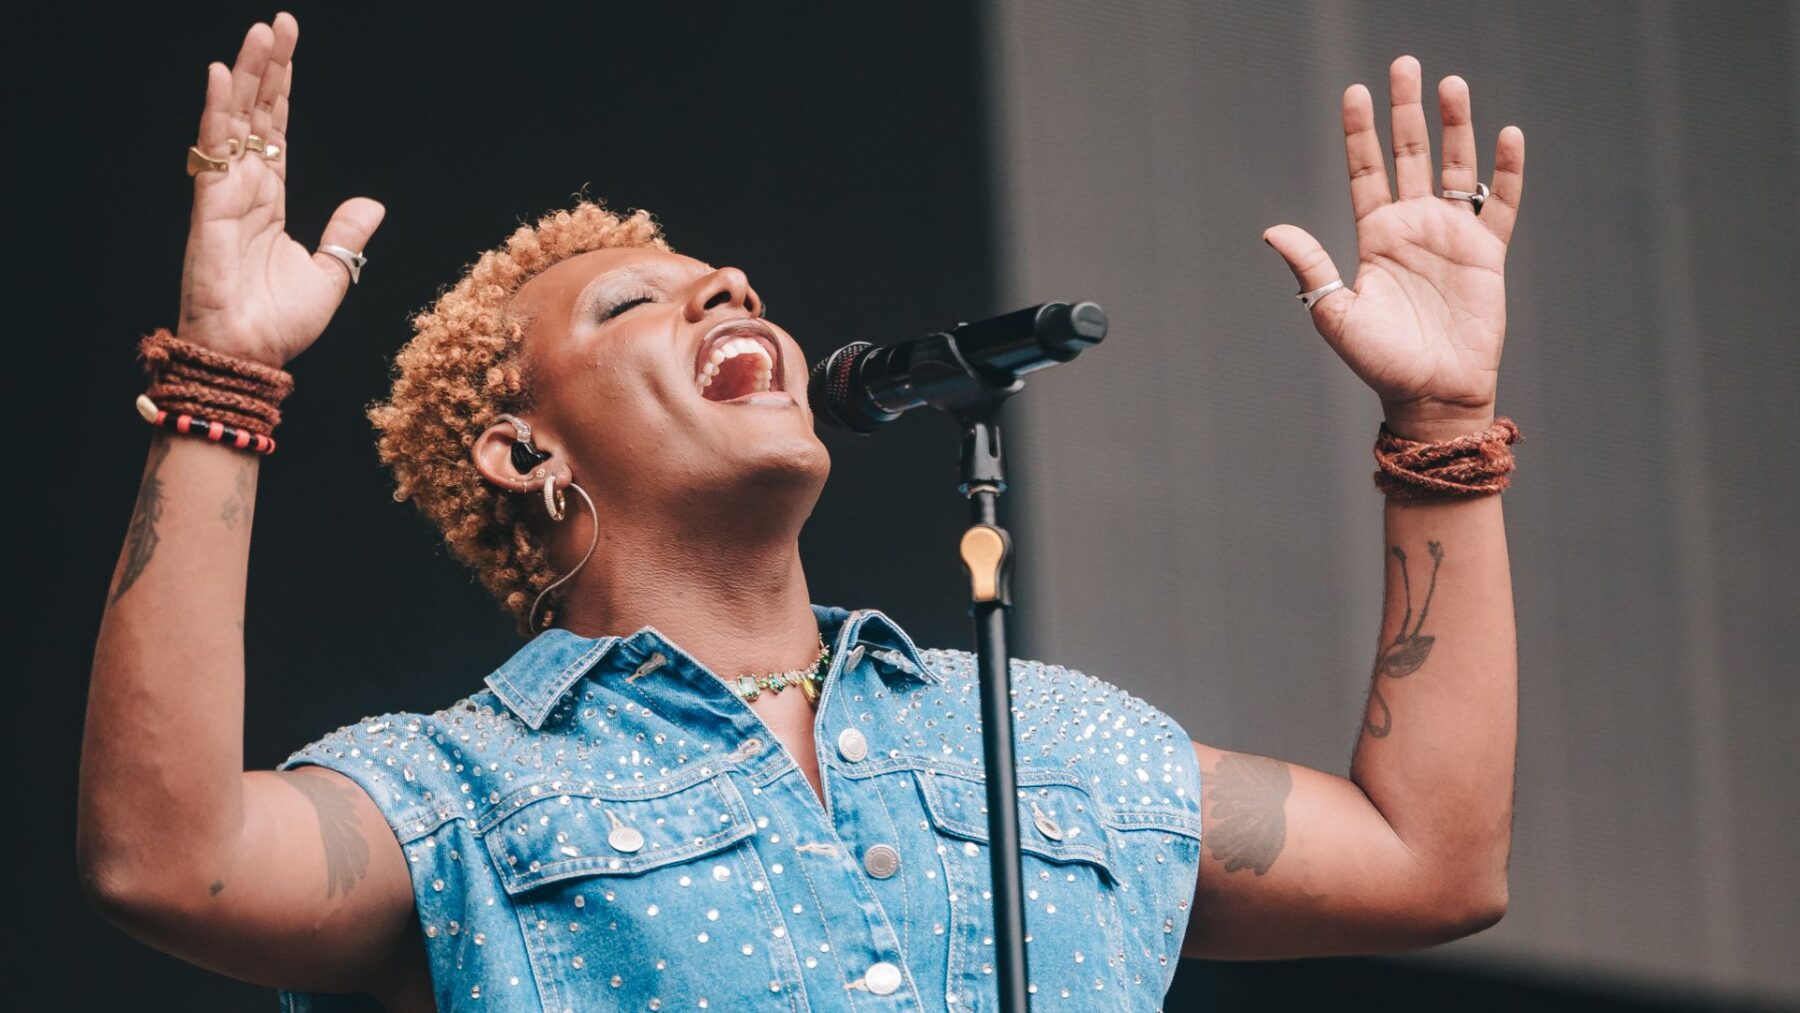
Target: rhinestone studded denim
{"type": "Point", "coordinates": [608, 827]}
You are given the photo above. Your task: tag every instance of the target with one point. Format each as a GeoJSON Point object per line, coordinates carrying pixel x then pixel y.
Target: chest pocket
{"type": "Point", "coordinates": [1073, 887]}
{"type": "Point", "coordinates": [557, 836]}
{"type": "Point", "coordinates": [600, 879]}
{"type": "Point", "coordinates": [1058, 822]}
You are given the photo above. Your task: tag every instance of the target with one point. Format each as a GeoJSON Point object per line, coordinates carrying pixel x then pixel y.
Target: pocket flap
{"type": "Point", "coordinates": [558, 836]}
{"type": "Point", "coordinates": [1057, 821]}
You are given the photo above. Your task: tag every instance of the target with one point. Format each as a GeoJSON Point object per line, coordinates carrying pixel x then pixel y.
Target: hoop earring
{"type": "Point", "coordinates": [553, 500]}
{"type": "Point", "coordinates": [593, 540]}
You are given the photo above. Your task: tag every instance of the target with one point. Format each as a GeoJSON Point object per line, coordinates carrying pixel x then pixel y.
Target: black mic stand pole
{"type": "Point", "coordinates": [969, 371]}
{"type": "Point", "coordinates": [986, 551]}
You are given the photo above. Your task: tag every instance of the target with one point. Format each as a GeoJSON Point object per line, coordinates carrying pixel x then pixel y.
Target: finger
{"type": "Point", "coordinates": [278, 126]}
{"type": "Point", "coordinates": [246, 76]}
{"type": "Point", "coordinates": [274, 77]}
{"type": "Point", "coordinates": [215, 116]}
{"type": "Point", "coordinates": [1362, 150]}
{"type": "Point", "coordinates": [1412, 144]}
{"type": "Point", "coordinates": [1312, 268]}
{"type": "Point", "coordinates": [350, 227]}
{"type": "Point", "coordinates": [1459, 171]}
{"type": "Point", "coordinates": [279, 118]}
{"type": "Point", "coordinates": [1502, 207]}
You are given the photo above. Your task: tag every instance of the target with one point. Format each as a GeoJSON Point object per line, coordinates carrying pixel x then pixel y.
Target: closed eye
{"type": "Point", "coordinates": [626, 305]}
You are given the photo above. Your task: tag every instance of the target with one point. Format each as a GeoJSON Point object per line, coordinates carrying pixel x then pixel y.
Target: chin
{"type": "Point", "coordinates": [800, 461]}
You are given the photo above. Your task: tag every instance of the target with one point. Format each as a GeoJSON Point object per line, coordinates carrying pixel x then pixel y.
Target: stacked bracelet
{"type": "Point", "coordinates": [1477, 464]}
{"type": "Point", "coordinates": [203, 392]}
{"type": "Point", "coordinates": [212, 429]}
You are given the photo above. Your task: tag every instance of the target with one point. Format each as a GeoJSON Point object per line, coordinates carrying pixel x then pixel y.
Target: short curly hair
{"type": "Point", "coordinates": [459, 372]}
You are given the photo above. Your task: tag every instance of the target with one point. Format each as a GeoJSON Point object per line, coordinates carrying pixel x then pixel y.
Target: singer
{"type": "Point", "coordinates": [693, 787]}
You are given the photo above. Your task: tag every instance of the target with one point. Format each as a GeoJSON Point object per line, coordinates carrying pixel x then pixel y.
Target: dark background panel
{"type": "Point", "coordinates": [835, 154]}
{"type": "Point", "coordinates": [807, 148]}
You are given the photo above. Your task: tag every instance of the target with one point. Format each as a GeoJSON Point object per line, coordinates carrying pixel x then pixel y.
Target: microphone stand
{"type": "Point", "coordinates": [969, 371]}
{"type": "Point", "coordinates": [986, 551]}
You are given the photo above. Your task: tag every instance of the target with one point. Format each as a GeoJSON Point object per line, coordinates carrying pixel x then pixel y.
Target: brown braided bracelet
{"type": "Point", "coordinates": [206, 392]}
{"type": "Point", "coordinates": [1475, 464]}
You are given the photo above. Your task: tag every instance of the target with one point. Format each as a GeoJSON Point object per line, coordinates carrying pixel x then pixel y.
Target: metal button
{"type": "Point", "coordinates": [1045, 825]}
{"type": "Point", "coordinates": [625, 839]}
{"type": "Point", "coordinates": [882, 861]}
{"type": "Point", "coordinates": [855, 656]}
{"type": "Point", "coordinates": [882, 978]}
{"type": "Point", "coordinates": [852, 746]}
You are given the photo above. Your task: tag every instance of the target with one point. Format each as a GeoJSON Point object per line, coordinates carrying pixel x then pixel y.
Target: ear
{"type": "Point", "coordinates": [492, 453]}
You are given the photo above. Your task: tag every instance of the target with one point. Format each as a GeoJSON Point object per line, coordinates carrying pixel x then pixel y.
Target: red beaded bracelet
{"type": "Point", "coordinates": [216, 431]}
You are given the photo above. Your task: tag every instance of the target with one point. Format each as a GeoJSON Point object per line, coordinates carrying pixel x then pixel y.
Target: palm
{"type": "Point", "coordinates": [1430, 307]}
{"type": "Point", "coordinates": [248, 288]}
{"type": "Point", "coordinates": [1424, 325]}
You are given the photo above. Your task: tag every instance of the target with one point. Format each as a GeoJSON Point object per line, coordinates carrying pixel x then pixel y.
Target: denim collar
{"type": "Point", "coordinates": [536, 678]}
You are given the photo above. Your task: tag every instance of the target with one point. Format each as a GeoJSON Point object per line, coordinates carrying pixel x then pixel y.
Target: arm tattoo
{"type": "Point", "coordinates": [237, 506]}
{"type": "Point", "coordinates": [1408, 651]}
{"type": "Point", "coordinates": [346, 853]}
{"type": "Point", "coordinates": [1249, 823]}
{"type": "Point", "coordinates": [141, 537]}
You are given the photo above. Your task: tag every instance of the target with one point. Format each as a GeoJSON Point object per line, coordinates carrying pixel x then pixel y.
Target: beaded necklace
{"type": "Point", "coordinates": [749, 687]}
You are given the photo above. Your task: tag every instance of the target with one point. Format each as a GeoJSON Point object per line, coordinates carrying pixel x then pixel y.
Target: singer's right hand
{"type": "Point", "coordinates": [247, 287]}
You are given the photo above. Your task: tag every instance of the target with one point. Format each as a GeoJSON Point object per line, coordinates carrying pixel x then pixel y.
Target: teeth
{"type": "Point", "coordinates": [731, 348]}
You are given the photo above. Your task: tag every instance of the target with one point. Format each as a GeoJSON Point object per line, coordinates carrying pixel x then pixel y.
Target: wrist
{"type": "Point", "coordinates": [261, 357]}
{"type": "Point", "coordinates": [202, 391]}
{"type": "Point", "coordinates": [1438, 428]}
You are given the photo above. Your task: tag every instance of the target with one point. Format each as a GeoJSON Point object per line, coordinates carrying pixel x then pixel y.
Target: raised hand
{"type": "Point", "coordinates": [1425, 322]}
{"type": "Point", "coordinates": [247, 287]}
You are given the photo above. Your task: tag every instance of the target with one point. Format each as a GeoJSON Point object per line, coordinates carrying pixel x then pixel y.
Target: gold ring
{"type": "Point", "coordinates": [253, 143]}
{"type": "Point", "coordinates": [199, 161]}
{"type": "Point", "coordinates": [235, 146]}
{"type": "Point", "coordinates": [272, 152]}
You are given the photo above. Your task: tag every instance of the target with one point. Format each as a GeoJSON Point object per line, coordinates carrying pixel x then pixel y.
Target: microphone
{"type": "Point", "coordinates": [861, 387]}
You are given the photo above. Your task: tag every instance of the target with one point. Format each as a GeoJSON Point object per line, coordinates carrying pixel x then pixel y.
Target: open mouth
{"type": "Point", "coordinates": [736, 359]}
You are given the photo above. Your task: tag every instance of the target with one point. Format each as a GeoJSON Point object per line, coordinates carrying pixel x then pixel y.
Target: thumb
{"type": "Point", "coordinates": [1312, 268]}
{"type": "Point", "coordinates": [350, 227]}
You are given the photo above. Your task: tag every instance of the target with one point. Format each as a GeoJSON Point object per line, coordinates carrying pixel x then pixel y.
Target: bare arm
{"type": "Point", "coordinates": [1411, 849]}
{"type": "Point", "coordinates": [176, 842]}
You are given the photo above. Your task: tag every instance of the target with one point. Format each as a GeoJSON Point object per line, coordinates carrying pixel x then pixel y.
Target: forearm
{"type": "Point", "coordinates": [1437, 747]}
{"type": "Point", "coordinates": [162, 748]}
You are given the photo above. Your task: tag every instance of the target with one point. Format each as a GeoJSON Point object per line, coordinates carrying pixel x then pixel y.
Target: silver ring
{"type": "Point", "coordinates": [1477, 199]}
{"type": "Point", "coordinates": [1308, 298]}
{"type": "Point", "coordinates": [352, 261]}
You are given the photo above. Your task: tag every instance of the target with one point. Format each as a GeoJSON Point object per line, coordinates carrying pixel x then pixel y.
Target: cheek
{"type": "Point", "coordinates": [624, 412]}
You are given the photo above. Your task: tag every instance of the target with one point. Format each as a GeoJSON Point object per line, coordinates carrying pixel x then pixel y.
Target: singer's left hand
{"type": "Point", "coordinates": [1425, 321]}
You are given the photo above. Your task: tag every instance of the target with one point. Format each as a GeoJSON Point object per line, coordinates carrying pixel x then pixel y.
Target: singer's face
{"type": "Point", "coordinates": [619, 343]}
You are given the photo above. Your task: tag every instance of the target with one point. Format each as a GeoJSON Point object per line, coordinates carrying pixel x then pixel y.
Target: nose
{"type": "Point", "coordinates": [726, 286]}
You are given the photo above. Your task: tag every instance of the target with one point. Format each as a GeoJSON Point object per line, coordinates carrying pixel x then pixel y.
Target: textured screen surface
{"type": "Point", "coordinates": [1194, 505]}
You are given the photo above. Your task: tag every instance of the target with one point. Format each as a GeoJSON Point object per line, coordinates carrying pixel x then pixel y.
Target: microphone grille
{"type": "Point", "coordinates": [828, 390]}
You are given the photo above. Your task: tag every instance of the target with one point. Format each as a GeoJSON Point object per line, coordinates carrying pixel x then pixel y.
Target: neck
{"type": "Point", "coordinates": [737, 607]}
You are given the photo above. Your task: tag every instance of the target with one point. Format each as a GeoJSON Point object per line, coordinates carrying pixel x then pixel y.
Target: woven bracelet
{"type": "Point", "coordinates": [1475, 464]}
{"type": "Point", "coordinates": [199, 381]}
{"type": "Point", "coordinates": [199, 391]}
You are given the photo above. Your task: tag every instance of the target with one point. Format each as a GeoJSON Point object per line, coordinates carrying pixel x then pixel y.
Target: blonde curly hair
{"type": "Point", "coordinates": [460, 370]}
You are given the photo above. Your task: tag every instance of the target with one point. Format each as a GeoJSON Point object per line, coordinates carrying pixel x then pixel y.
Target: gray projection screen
{"type": "Point", "coordinates": [1196, 516]}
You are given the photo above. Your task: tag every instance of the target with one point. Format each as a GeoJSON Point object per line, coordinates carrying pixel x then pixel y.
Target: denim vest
{"type": "Point", "coordinates": [608, 827]}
